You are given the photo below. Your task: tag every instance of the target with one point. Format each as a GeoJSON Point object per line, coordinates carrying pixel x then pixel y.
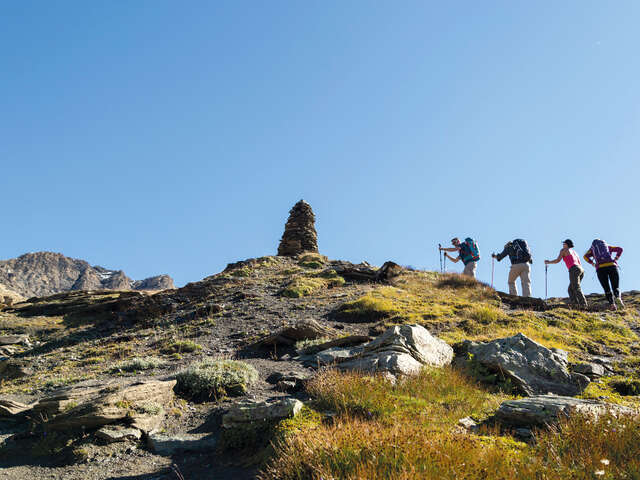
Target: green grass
{"type": "Point", "coordinates": [408, 431]}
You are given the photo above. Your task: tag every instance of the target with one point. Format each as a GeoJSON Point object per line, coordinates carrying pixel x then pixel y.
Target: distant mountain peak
{"type": "Point", "coordinates": [38, 274]}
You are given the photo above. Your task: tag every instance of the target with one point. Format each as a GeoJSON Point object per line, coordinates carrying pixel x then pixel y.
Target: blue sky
{"type": "Point", "coordinates": [173, 137]}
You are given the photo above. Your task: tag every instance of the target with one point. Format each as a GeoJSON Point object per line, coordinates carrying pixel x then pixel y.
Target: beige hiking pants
{"type": "Point", "coordinates": [470, 269]}
{"type": "Point", "coordinates": [522, 270]}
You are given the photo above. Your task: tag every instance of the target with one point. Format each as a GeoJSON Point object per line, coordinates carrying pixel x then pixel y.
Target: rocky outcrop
{"type": "Point", "coordinates": [532, 368]}
{"type": "Point", "coordinates": [299, 232]}
{"type": "Point", "coordinates": [545, 410]}
{"type": "Point", "coordinates": [159, 282]}
{"type": "Point", "coordinates": [141, 404]}
{"type": "Point", "coordinates": [400, 350]}
{"type": "Point", "coordinates": [47, 273]}
{"type": "Point", "coordinates": [248, 412]}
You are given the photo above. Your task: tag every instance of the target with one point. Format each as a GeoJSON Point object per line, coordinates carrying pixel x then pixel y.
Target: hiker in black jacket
{"type": "Point", "coordinates": [521, 261]}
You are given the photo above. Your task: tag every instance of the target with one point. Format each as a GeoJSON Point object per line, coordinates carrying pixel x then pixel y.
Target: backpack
{"type": "Point", "coordinates": [469, 251]}
{"type": "Point", "coordinates": [600, 251]}
{"type": "Point", "coordinates": [521, 249]}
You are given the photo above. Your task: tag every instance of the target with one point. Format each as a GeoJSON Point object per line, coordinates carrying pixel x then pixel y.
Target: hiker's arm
{"type": "Point", "coordinates": [617, 251]}
{"type": "Point", "coordinates": [557, 260]}
{"type": "Point", "coordinates": [449, 249]}
{"type": "Point", "coordinates": [501, 255]}
{"type": "Point", "coordinates": [587, 257]}
{"type": "Point", "coordinates": [453, 259]}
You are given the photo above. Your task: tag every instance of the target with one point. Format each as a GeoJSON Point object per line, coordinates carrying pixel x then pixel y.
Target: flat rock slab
{"type": "Point", "coordinates": [14, 340]}
{"type": "Point", "coordinates": [140, 403]}
{"type": "Point", "coordinates": [116, 433]}
{"type": "Point", "coordinates": [348, 341]}
{"type": "Point", "coordinates": [9, 408]}
{"type": "Point", "coordinates": [591, 370]}
{"type": "Point", "coordinates": [533, 368]}
{"type": "Point", "coordinates": [303, 330]}
{"type": "Point", "coordinates": [330, 356]}
{"type": "Point", "coordinates": [167, 445]}
{"type": "Point", "coordinates": [545, 410]}
{"type": "Point", "coordinates": [247, 412]}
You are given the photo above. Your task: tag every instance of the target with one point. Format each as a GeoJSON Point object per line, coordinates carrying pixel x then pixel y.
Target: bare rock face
{"type": "Point", "coordinates": [533, 368]}
{"type": "Point", "coordinates": [47, 273]}
{"type": "Point", "coordinates": [401, 350]}
{"type": "Point", "coordinates": [299, 232]}
{"type": "Point", "coordinates": [159, 282]}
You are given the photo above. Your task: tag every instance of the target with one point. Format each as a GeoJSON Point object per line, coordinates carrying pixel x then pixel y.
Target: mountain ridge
{"type": "Point", "coordinates": [37, 274]}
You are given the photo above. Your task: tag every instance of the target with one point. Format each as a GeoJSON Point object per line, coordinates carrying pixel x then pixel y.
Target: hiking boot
{"type": "Point", "coordinates": [613, 307]}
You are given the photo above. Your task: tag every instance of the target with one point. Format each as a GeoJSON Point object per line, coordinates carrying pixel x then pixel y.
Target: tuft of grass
{"type": "Point", "coordinates": [137, 364]}
{"type": "Point", "coordinates": [180, 346]}
{"type": "Point", "coordinates": [213, 379]}
{"type": "Point", "coordinates": [302, 287]}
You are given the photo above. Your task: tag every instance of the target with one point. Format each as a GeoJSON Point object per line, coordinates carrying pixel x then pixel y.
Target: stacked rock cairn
{"type": "Point", "coordinates": [300, 232]}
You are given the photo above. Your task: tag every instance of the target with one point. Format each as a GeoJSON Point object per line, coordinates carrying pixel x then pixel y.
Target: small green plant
{"type": "Point", "coordinates": [302, 287]}
{"type": "Point", "coordinates": [210, 378]}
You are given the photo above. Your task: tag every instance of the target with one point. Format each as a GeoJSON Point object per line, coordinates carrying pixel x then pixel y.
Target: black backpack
{"type": "Point", "coordinates": [522, 254]}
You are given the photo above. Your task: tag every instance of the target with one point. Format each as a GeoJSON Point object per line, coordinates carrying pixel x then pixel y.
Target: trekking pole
{"type": "Point", "coordinates": [445, 262]}
{"type": "Point", "coordinates": [440, 253]}
{"type": "Point", "coordinates": [546, 282]}
{"type": "Point", "coordinates": [493, 262]}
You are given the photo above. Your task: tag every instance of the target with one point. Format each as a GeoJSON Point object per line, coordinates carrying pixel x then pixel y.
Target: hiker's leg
{"type": "Point", "coordinates": [573, 275]}
{"type": "Point", "coordinates": [513, 275]}
{"type": "Point", "coordinates": [615, 281]}
{"type": "Point", "coordinates": [603, 277]}
{"type": "Point", "coordinates": [470, 269]}
{"type": "Point", "coordinates": [580, 298]}
{"type": "Point", "coordinates": [525, 277]}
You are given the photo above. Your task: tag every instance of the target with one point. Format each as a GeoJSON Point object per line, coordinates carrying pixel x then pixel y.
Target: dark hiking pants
{"type": "Point", "coordinates": [576, 274]}
{"type": "Point", "coordinates": [606, 275]}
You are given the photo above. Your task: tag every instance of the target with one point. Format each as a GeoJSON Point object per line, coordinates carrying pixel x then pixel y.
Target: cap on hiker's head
{"type": "Point", "coordinates": [568, 242]}
{"type": "Point", "coordinates": [455, 239]}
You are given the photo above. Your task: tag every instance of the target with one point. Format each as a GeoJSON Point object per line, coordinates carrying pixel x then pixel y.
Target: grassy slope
{"type": "Point", "coordinates": [410, 431]}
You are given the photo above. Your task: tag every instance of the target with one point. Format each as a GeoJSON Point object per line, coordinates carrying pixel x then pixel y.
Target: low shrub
{"type": "Point", "coordinates": [138, 364]}
{"type": "Point", "coordinates": [209, 379]}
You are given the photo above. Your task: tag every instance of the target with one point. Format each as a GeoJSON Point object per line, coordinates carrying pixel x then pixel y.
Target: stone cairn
{"type": "Point", "coordinates": [299, 233]}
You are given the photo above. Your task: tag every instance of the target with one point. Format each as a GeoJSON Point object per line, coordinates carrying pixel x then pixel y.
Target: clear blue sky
{"type": "Point", "coordinates": [173, 137]}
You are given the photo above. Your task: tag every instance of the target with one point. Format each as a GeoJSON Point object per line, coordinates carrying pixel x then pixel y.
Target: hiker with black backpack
{"type": "Point", "coordinates": [468, 252]}
{"type": "Point", "coordinates": [599, 255]}
{"type": "Point", "coordinates": [576, 272]}
{"type": "Point", "coordinates": [521, 260]}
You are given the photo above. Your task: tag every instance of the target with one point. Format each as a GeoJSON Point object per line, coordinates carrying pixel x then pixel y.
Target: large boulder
{"type": "Point", "coordinates": [545, 410]}
{"type": "Point", "coordinates": [400, 350]}
{"type": "Point", "coordinates": [532, 368]}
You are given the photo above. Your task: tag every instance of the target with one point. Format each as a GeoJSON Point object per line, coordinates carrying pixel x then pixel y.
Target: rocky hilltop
{"type": "Point", "coordinates": [46, 273]}
{"type": "Point", "coordinates": [302, 367]}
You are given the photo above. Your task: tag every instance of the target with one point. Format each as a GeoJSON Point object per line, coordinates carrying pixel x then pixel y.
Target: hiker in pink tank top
{"type": "Point", "coordinates": [576, 272]}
